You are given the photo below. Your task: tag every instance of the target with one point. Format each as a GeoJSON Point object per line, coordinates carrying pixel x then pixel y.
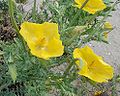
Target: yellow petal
{"type": "Point", "coordinates": [53, 49]}
{"type": "Point", "coordinates": [93, 66]}
{"type": "Point", "coordinates": [92, 6]}
{"type": "Point", "coordinates": [86, 53]}
{"type": "Point", "coordinates": [56, 50]}
{"type": "Point", "coordinates": [42, 39]}
{"type": "Point", "coordinates": [51, 30]}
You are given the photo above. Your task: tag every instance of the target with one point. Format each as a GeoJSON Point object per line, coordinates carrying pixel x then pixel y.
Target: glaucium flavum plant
{"type": "Point", "coordinates": [46, 42]}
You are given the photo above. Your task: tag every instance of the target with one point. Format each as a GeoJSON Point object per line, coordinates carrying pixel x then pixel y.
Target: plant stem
{"type": "Point", "coordinates": [76, 32]}
{"type": "Point", "coordinates": [84, 4]}
{"type": "Point", "coordinates": [97, 26]}
{"type": "Point", "coordinates": [107, 14]}
{"type": "Point", "coordinates": [113, 87]}
{"type": "Point", "coordinates": [72, 39]}
{"type": "Point", "coordinates": [11, 12]}
{"type": "Point", "coordinates": [92, 33]}
{"type": "Point", "coordinates": [78, 13]}
{"type": "Point", "coordinates": [34, 11]}
{"type": "Point", "coordinates": [68, 69]}
{"type": "Point", "coordinates": [14, 23]}
{"type": "Point", "coordinates": [71, 64]}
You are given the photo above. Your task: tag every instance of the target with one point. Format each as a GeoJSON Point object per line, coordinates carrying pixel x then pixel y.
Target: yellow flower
{"type": "Point", "coordinates": [92, 6]}
{"type": "Point", "coordinates": [91, 65]}
{"type": "Point", "coordinates": [42, 39]}
{"type": "Point", "coordinates": [108, 25]}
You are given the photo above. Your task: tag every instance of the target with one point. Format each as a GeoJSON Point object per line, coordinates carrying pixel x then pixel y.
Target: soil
{"type": "Point", "coordinates": [7, 33]}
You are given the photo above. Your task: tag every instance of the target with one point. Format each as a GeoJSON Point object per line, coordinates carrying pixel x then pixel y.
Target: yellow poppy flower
{"type": "Point", "coordinates": [91, 65]}
{"type": "Point", "coordinates": [108, 25]}
{"type": "Point", "coordinates": [42, 39]}
{"type": "Point", "coordinates": [92, 6]}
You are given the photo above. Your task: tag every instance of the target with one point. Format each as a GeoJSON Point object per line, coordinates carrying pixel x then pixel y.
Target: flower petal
{"type": "Point", "coordinates": [51, 30]}
{"type": "Point", "coordinates": [92, 6]}
{"type": "Point", "coordinates": [53, 49]}
{"type": "Point", "coordinates": [42, 39]}
{"type": "Point", "coordinates": [93, 66]}
{"type": "Point", "coordinates": [86, 53]}
{"type": "Point", "coordinates": [99, 72]}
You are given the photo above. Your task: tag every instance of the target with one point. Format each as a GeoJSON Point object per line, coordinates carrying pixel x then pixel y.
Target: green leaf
{"type": "Point", "coordinates": [12, 71]}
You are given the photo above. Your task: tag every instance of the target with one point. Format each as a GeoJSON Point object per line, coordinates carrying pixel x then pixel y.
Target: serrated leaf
{"type": "Point", "coordinates": [12, 71]}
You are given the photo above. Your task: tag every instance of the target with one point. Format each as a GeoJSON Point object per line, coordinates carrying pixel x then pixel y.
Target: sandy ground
{"type": "Point", "coordinates": [110, 52]}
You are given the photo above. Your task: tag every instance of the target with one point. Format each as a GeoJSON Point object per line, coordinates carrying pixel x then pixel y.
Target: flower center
{"type": "Point", "coordinates": [41, 43]}
{"type": "Point", "coordinates": [90, 66]}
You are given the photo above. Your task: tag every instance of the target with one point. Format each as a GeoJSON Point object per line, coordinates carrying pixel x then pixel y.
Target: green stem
{"type": "Point", "coordinates": [86, 39]}
{"type": "Point", "coordinates": [97, 26]}
{"type": "Point", "coordinates": [106, 14]}
{"type": "Point", "coordinates": [34, 11]}
{"type": "Point", "coordinates": [68, 69]}
{"type": "Point", "coordinates": [67, 29]}
{"type": "Point", "coordinates": [84, 4]}
{"type": "Point", "coordinates": [14, 23]}
{"type": "Point", "coordinates": [59, 63]}
{"type": "Point", "coordinates": [75, 17]}
{"type": "Point", "coordinates": [72, 39]}
{"type": "Point", "coordinates": [71, 64]}
{"type": "Point", "coordinates": [113, 87]}
{"type": "Point", "coordinates": [78, 13]}
{"type": "Point", "coordinates": [90, 19]}
{"type": "Point", "coordinates": [11, 12]}
{"type": "Point", "coordinates": [76, 32]}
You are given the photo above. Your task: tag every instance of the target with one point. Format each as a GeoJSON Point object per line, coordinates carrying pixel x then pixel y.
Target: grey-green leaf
{"type": "Point", "coordinates": [12, 71]}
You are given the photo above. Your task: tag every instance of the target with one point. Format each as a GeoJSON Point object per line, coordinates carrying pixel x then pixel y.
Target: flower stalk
{"type": "Point", "coordinates": [78, 13]}
{"type": "Point", "coordinates": [68, 69]}
{"type": "Point", "coordinates": [97, 26]}
{"type": "Point", "coordinates": [84, 4]}
{"type": "Point", "coordinates": [11, 12]}
{"type": "Point", "coordinates": [34, 10]}
{"type": "Point", "coordinates": [14, 23]}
